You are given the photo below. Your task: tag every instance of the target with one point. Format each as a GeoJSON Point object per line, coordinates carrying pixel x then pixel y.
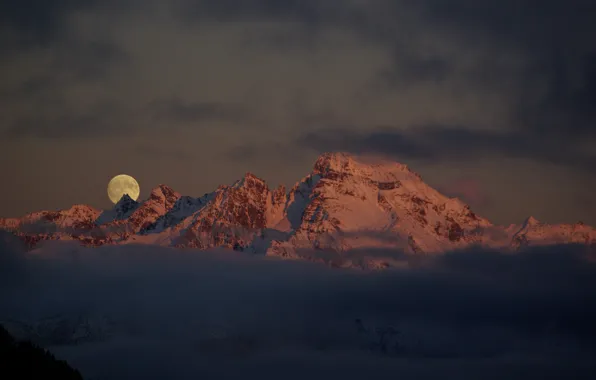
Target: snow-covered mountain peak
{"type": "Point", "coordinates": [534, 232]}
{"type": "Point", "coordinates": [163, 191]}
{"type": "Point", "coordinates": [279, 194]}
{"type": "Point", "coordinates": [251, 181]}
{"type": "Point", "coordinates": [347, 203]}
{"type": "Point", "coordinates": [80, 209]}
{"type": "Point", "coordinates": [121, 210]}
{"type": "Point", "coordinates": [124, 200]}
{"type": "Point", "coordinates": [335, 161]}
{"type": "Point", "coordinates": [531, 222]}
{"type": "Point", "coordinates": [380, 203]}
{"type": "Point", "coordinates": [340, 165]}
{"type": "Point", "coordinates": [77, 216]}
{"type": "Point", "coordinates": [125, 205]}
{"type": "Point", "coordinates": [352, 173]}
{"type": "Point", "coordinates": [161, 199]}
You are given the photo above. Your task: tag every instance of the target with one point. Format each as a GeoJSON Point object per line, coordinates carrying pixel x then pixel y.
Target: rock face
{"type": "Point", "coordinates": [345, 204]}
{"type": "Point", "coordinates": [350, 203]}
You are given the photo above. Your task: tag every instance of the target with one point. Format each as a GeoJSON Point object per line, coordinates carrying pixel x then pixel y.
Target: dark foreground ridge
{"type": "Point", "coordinates": [25, 360]}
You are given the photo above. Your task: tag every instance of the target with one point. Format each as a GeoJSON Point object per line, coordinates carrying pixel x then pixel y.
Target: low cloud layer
{"type": "Point", "coordinates": [190, 314]}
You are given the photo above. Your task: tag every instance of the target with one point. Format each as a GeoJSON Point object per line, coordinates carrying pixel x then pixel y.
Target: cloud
{"type": "Point", "coordinates": [555, 84]}
{"type": "Point", "coordinates": [101, 118]}
{"type": "Point", "coordinates": [541, 82]}
{"type": "Point", "coordinates": [544, 76]}
{"type": "Point", "coordinates": [35, 21]}
{"type": "Point", "coordinates": [153, 151]}
{"type": "Point", "coordinates": [192, 314]}
{"type": "Point", "coordinates": [308, 12]}
{"type": "Point", "coordinates": [43, 102]}
{"type": "Point", "coordinates": [68, 63]}
{"type": "Point", "coordinates": [188, 112]}
{"type": "Point", "coordinates": [470, 190]}
{"type": "Point", "coordinates": [270, 70]}
{"type": "Point", "coordinates": [438, 143]}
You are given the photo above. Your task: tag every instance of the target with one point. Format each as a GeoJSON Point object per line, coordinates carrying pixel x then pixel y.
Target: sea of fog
{"type": "Point", "coordinates": [159, 313]}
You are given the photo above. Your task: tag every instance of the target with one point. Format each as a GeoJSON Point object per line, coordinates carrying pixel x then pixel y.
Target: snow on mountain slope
{"type": "Point", "coordinates": [184, 207]}
{"type": "Point", "coordinates": [129, 218]}
{"type": "Point", "coordinates": [67, 224]}
{"type": "Point", "coordinates": [232, 216]}
{"type": "Point", "coordinates": [533, 232]}
{"type": "Point", "coordinates": [346, 204]}
{"type": "Point", "coordinates": [121, 211]}
{"type": "Point", "coordinates": [76, 217]}
{"type": "Point", "coordinates": [161, 200]}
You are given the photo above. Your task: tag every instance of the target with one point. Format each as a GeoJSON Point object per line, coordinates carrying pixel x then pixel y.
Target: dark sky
{"type": "Point", "coordinates": [493, 101]}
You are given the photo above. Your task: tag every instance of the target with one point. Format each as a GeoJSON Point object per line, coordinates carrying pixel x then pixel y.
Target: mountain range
{"type": "Point", "coordinates": [347, 204]}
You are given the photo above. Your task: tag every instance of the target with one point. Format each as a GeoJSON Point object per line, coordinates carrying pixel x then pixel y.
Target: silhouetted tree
{"type": "Point", "coordinates": [25, 360]}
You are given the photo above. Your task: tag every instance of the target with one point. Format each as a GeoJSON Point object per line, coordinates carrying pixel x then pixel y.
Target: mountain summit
{"type": "Point", "coordinates": [345, 204]}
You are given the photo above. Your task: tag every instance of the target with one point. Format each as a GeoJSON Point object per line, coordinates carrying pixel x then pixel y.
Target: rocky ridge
{"type": "Point", "coordinates": [345, 205]}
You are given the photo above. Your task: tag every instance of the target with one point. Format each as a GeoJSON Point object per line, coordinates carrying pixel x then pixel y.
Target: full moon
{"type": "Point", "coordinates": [123, 184]}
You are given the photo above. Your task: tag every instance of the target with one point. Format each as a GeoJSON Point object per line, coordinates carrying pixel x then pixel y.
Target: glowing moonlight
{"type": "Point", "coordinates": [123, 184]}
